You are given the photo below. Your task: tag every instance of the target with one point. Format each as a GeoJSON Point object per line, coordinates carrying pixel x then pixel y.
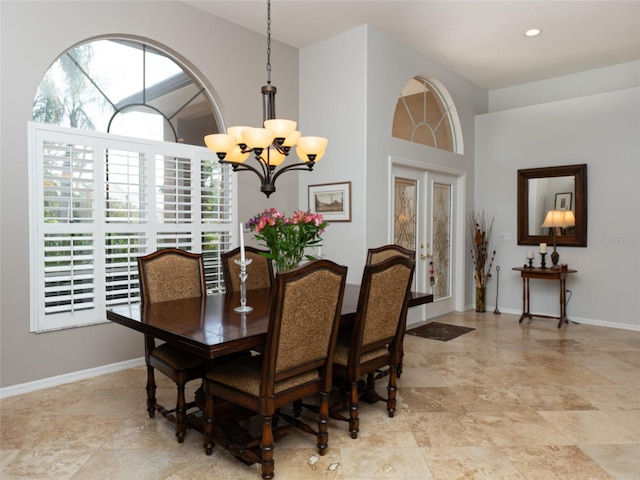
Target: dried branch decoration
{"type": "Point", "coordinates": [480, 231]}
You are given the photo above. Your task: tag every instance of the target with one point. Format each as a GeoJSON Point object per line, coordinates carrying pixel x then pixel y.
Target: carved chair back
{"type": "Point", "coordinates": [259, 271]}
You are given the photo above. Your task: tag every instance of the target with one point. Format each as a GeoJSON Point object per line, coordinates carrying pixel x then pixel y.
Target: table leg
{"type": "Point", "coordinates": [525, 300]}
{"type": "Point", "coordinates": [563, 303]}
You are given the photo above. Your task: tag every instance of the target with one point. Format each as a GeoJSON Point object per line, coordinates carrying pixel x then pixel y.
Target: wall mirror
{"type": "Point", "coordinates": [552, 188]}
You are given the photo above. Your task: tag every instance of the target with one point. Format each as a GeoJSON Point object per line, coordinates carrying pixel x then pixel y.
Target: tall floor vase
{"type": "Point", "coordinates": [481, 299]}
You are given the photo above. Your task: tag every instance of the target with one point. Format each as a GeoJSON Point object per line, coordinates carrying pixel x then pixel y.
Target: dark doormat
{"type": "Point", "coordinates": [439, 331]}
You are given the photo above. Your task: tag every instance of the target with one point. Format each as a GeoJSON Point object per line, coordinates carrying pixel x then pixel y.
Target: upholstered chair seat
{"type": "Point", "coordinates": [246, 376]}
{"type": "Point", "coordinates": [341, 356]}
{"type": "Point", "coordinates": [176, 357]}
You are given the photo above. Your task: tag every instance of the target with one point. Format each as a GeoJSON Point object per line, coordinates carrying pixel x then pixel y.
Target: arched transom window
{"type": "Point", "coordinates": [426, 114]}
{"type": "Point", "coordinates": [125, 87]}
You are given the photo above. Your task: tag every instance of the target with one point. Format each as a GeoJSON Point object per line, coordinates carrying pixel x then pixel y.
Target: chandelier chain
{"type": "Point", "coordinates": [269, 42]}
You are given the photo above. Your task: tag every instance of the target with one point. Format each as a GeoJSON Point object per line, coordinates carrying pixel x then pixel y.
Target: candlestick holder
{"type": "Point", "coordinates": [530, 262]}
{"type": "Point", "coordinates": [543, 265]}
{"type": "Point", "coordinates": [243, 286]}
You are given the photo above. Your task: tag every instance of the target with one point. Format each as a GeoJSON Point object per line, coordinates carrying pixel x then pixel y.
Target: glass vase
{"type": "Point", "coordinates": [481, 299]}
{"type": "Point", "coordinates": [283, 263]}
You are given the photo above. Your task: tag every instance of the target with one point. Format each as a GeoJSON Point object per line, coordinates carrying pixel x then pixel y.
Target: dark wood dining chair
{"type": "Point", "coordinates": [171, 274]}
{"type": "Point", "coordinates": [379, 254]}
{"type": "Point", "coordinates": [259, 272]}
{"type": "Point", "coordinates": [372, 348]}
{"type": "Point", "coordinates": [304, 314]}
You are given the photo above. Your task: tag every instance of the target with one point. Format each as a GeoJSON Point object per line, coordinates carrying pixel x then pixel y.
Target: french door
{"type": "Point", "coordinates": [426, 218]}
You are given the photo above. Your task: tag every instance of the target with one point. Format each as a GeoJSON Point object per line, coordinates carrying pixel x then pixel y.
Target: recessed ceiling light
{"type": "Point", "coordinates": [533, 32]}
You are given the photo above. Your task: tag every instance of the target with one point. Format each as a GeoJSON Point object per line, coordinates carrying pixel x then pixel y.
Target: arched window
{"type": "Point", "coordinates": [125, 87]}
{"type": "Point", "coordinates": [425, 114]}
{"type": "Point", "coordinates": [118, 170]}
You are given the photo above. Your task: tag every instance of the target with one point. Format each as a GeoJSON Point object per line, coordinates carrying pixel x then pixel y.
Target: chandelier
{"type": "Point", "coordinates": [271, 144]}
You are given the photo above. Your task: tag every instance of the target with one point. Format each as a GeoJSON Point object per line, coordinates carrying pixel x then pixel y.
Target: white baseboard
{"type": "Point", "coordinates": [69, 377]}
{"type": "Point", "coordinates": [600, 323]}
{"type": "Point", "coordinates": [137, 362]}
{"type": "Point", "coordinates": [578, 320]}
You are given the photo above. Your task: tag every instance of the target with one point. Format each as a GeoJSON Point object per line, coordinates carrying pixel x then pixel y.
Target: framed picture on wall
{"type": "Point", "coordinates": [563, 201]}
{"type": "Point", "coordinates": [332, 200]}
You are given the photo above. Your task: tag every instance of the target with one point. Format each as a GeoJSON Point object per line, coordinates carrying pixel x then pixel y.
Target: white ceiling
{"type": "Point", "coordinates": [481, 40]}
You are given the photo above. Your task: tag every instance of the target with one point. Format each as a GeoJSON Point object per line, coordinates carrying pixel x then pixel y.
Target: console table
{"type": "Point", "coordinates": [544, 274]}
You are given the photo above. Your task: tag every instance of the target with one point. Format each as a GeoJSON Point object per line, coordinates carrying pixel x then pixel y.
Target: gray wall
{"type": "Point", "coordinates": [229, 59]}
{"type": "Point", "coordinates": [350, 86]}
{"type": "Point", "coordinates": [601, 129]}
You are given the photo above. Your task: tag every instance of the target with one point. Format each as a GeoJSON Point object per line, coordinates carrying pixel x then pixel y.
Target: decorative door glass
{"type": "Point", "coordinates": [404, 218]}
{"type": "Point", "coordinates": [441, 240]}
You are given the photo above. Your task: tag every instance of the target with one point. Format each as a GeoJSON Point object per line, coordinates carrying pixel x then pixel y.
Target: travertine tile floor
{"type": "Point", "coordinates": [506, 401]}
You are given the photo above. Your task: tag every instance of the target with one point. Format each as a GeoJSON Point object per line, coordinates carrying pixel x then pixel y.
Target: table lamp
{"type": "Point", "coordinates": [558, 219]}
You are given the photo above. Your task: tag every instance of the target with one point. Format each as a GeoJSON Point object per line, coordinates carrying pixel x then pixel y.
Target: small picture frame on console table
{"type": "Point", "coordinates": [332, 200]}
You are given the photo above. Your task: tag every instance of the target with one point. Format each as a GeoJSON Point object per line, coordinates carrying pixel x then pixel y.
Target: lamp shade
{"type": "Point", "coordinates": [569, 218]}
{"type": "Point", "coordinates": [275, 158]}
{"type": "Point", "coordinates": [304, 156]}
{"type": "Point", "coordinates": [235, 155]}
{"type": "Point", "coordinates": [280, 127]}
{"type": "Point", "coordinates": [559, 218]}
{"type": "Point", "coordinates": [237, 132]}
{"type": "Point", "coordinates": [311, 146]}
{"type": "Point", "coordinates": [292, 139]}
{"type": "Point", "coordinates": [257, 137]}
{"type": "Point", "coordinates": [219, 142]}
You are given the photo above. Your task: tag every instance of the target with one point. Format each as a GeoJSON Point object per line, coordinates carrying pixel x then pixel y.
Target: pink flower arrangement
{"type": "Point", "coordinates": [287, 237]}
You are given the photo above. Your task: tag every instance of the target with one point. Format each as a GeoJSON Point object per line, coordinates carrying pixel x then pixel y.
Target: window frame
{"type": "Point", "coordinates": [430, 86]}
{"type": "Point", "coordinates": [154, 234]}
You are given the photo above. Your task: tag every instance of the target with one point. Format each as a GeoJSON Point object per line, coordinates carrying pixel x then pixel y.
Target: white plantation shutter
{"type": "Point", "coordinates": [100, 201]}
{"type": "Point", "coordinates": [125, 186]}
{"type": "Point", "coordinates": [69, 276]}
{"type": "Point", "coordinates": [174, 187]}
{"type": "Point", "coordinates": [214, 186]}
{"type": "Point", "coordinates": [68, 182]}
{"type": "Point", "coordinates": [121, 267]}
{"type": "Point", "coordinates": [210, 242]}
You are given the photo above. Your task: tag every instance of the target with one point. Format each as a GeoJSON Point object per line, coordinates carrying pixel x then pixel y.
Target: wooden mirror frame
{"type": "Point", "coordinates": [579, 172]}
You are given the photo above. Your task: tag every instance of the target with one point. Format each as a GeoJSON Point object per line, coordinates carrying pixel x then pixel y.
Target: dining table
{"type": "Point", "coordinates": [210, 327]}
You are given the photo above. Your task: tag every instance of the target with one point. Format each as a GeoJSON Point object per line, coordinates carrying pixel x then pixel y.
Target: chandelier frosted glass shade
{"type": "Point", "coordinates": [280, 127]}
{"type": "Point", "coordinates": [219, 142]}
{"type": "Point", "coordinates": [311, 148]}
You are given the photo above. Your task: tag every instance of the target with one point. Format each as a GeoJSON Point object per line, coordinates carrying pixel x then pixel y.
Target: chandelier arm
{"type": "Point", "coordinates": [266, 171]}
{"type": "Point", "coordinates": [308, 166]}
{"type": "Point", "coordinates": [239, 167]}
{"type": "Point", "coordinates": [281, 149]}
